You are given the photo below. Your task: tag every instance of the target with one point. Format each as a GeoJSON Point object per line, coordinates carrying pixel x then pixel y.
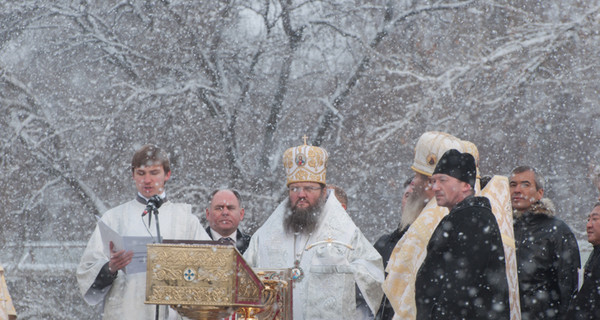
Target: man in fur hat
{"type": "Point", "coordinates": [423, 214]}
{"type": "Point", "coordinates": [547, 251]}
{"type": "Point", "coordinates": [311, 233]}
{"type": "Point", "coordinates": [463, 275]}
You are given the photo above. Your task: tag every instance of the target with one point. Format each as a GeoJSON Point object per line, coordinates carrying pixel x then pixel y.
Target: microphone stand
{"type": "Point", "coordinates": [152, 206]}
{"type": "Point", "coordinates": [155, 212]}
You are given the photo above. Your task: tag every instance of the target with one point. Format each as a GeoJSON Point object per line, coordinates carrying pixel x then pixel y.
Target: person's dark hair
{"type": "Point", "coordinates": [407, 182]}
{"type": "Point", "coordinates": [537, 175]}
{"type": "Point", "coordinates": [484, 181]}
{"type": "Point", "coordinates": [235, 193]}
{"type": "Point", "coordinates": [597, 204]}
{"type": "Point", "coordinates": [150, 155]}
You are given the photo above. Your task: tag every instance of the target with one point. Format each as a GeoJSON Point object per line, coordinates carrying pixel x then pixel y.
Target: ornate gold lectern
{"type": "Point", "coordinates": [210, 280]}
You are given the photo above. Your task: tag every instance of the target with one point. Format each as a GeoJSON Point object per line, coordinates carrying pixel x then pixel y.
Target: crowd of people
{"type": "Point", "coordinates": [464, 248]}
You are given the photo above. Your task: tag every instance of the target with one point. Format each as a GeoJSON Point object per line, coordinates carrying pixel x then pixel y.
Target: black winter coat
{"type": "Point", "coordinates": [463, 275]}
{"type": "Point", "coordinates": [547, 262]}
{"type": "Point", "coordinates": [586, 304]}
{"type": "Point", "coordinates": [386, 244]}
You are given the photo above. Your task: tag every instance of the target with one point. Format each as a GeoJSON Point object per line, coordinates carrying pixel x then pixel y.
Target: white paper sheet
{"type": "Point", "coordinates": [135, 244]}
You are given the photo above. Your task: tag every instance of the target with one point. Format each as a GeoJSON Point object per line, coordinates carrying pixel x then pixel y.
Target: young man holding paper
{"type": "Point", "coordinates": [102, 274]}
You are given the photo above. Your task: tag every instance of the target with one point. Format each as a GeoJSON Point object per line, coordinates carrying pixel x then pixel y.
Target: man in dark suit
{"type": "Point", "coordinates": [224, 215]}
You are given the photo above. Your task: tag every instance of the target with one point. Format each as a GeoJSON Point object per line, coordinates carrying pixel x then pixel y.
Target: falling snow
{"type": "Point", "coordinates": [226, 86]}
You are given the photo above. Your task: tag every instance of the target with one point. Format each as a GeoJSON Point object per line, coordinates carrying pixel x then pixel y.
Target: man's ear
{"type": "Point", "coordinates": [242, 214]}
{"type": "Point", "coordinates": [467, 187]}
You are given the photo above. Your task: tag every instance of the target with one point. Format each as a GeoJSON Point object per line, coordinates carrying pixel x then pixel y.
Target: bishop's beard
{"type": "Point", "coordinates": [414, 205]}
{"type": "Point", "coordinates": [304, 220]}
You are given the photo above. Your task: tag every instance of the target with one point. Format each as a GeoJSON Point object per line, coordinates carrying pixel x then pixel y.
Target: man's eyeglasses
{"type": "Point", "coordinates": [306, 189]}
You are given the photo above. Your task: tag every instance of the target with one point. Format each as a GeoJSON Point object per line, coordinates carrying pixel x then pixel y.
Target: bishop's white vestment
{"type": "Point", "coordinates": [124, 299]}
{"type": "Point", "coordinates": [332, 270]}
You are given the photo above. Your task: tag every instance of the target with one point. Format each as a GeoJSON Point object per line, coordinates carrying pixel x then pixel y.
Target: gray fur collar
{"type": "Point", "coordinates": [543, 206]}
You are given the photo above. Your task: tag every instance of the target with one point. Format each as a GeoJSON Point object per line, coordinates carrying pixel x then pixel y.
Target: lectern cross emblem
{"type": "Point", "coordinates": [189, 274]}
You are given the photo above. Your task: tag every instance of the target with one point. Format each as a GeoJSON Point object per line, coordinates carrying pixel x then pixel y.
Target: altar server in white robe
{"type": "Point", "coordinates": [102, 275]}
{"type": "Point", "coordinates": [311, 233]}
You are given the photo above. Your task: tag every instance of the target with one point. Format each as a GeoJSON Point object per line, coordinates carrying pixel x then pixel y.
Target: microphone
{"type": "Point", "coordinates": [153, 203]}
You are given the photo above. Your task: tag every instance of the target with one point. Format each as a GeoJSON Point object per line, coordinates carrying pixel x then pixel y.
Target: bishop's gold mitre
{"type": "Point", "coordinates": [305, 164]}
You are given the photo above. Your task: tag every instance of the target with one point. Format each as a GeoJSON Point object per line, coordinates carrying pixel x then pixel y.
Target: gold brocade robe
{"type": "Point", "coordinates": [410, 251]}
